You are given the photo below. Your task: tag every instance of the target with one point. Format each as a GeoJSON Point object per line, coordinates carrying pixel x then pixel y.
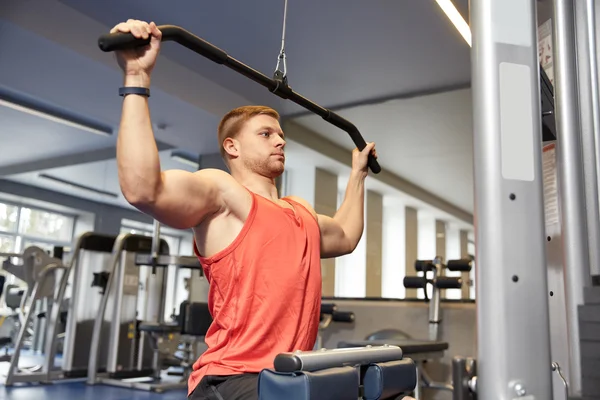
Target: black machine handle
{"type": "Point", "coordinates": [120, 41]}
{"type": "Point", "coordinates": [448, 282]}
{"type": "Point", "coordinates": [424, 265]}
{"type": "Point", "coordinates": [415, 282]}
{"type": "Point", "coordinates": [328, 308]}
{"type": "Point", "coordinates": [463, 265]}
{"type": "Point", "coordinates": [342, 316]}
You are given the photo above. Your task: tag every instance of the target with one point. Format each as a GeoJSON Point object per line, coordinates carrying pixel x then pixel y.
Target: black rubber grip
{"type": "Point", "coordinates": [424, 266]}
{"type": "Point", "coordinates": [328, 308]}
{"type": "Point", "coordinates": [342, 316]}
{"type": "Point", "coordinates": [120, 41]}
{"type": "Point", "coordinates": [463, 265]}
{"type": "Point", "coordinates": [448, 282]}
{"type": "Point", "coordinates": [415, 282]}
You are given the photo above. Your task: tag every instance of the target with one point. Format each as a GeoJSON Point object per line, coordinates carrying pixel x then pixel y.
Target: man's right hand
{"type": "Point", "coordinates": [137, 64]}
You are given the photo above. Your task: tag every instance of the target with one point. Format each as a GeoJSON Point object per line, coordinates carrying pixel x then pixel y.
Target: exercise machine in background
{"type": "Point", "coordinates": [130, 318]}
{"type": "Point", "coordinates": [40, 272]}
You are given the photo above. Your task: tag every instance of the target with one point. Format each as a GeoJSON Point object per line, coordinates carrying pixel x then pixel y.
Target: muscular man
{"type": "Point", "coordinates": [260, 253]}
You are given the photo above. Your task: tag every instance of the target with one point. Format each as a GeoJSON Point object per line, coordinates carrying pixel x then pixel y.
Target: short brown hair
{"type": "Point", "coordinates": [232, 122]}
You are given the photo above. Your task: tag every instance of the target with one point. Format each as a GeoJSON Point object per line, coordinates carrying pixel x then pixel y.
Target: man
{"type": "Point", "coordinates": [261, 254]}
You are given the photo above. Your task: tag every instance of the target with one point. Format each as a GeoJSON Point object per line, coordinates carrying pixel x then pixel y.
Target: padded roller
{"type": "Point", "coordinates": [340, 383]}
{"type": "Point", "coordinates": [463, 265]}
{"type": "Point", "coordinates": [388, 380]}
{"type": "Point", "coordinates": [448, 282]}
{"type": "Point", "coordinates": [415, 282]}
{"type": "Point", "coordinates": [342, 316]}
{"type": "Point", "coordinates": [424, 265]}
{"type": "Point", "coordinates": [328, 308]}
{"type": "Point", "coordinates": [332, 358]}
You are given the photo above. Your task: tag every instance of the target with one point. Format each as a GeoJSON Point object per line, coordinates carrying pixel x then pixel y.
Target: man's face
{"type": "Point", "coordinates": [262, 146]}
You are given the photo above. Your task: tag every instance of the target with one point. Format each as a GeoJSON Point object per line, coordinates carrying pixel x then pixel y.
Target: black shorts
{"type": "Point", "coordinates": [228, 387]}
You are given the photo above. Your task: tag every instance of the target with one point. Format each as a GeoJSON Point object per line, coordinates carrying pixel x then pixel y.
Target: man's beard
{"type": "Point", "coordinates": [265, 167]}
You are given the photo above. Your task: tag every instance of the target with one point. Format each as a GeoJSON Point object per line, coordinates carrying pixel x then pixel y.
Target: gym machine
{"type": "Point", "coordinates": [366, 373]}
{"type": "Point", "coordinates": [329, 314]}
{"type": "Point", "coordinates": [519, 355]}
{"type": "Point", "coordinates": [39, 272]}
{"type": "Point", "coordinates": [131, 316]}
{"type": "Point", "coordinates": [89, 258]}
{"type": "Point", "coordinates": [438, 282]}
{"type": "Point", "coordinates": [87, 269]}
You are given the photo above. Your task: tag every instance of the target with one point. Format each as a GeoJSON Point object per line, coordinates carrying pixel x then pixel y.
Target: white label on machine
{"type": "Point", "coordinates": [550, 185]}
{"type": "Point", "coordinates": [512, 22]}
{"type": "Point", "coordinates": [516, 122]}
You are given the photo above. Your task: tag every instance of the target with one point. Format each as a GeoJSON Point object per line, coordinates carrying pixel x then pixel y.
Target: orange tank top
{"type": "Point", "coordinates": [264, 293]}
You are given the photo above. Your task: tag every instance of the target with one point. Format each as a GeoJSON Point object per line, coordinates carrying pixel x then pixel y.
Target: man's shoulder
{"type": "Point", "coordinates": [304, 203]}
{"type": "Point", "coordinates": [213, 173]}
{"type": "Point", "coordinates": [224, 180]}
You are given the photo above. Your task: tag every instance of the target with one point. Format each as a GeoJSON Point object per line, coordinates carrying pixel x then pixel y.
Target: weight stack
{"type": "Point", "coordinates": [589, 342]}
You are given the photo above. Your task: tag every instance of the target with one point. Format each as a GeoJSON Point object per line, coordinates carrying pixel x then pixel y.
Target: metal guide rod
{"type": "Point", "coordinates": [585, 26]}
{"type": "Point", "coordinates": [155, 239]}
{"type": "Point", "coordinates": [570, 178]}
{"type": "Point", "coordinates": [513, 354]}
{"type": "Point", "coordinates": [592, 49]}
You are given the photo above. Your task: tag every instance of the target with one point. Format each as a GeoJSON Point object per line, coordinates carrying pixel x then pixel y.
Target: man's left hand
{"type": "Point", "coordinates": [360, 158]}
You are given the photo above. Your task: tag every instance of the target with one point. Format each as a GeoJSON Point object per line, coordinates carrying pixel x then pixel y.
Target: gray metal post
{"type": "Point", "coordinates": [570, 178]}
{"type": "Point", "coordinates": [587, 90]}
{"type": "Point", "coordinates": [591, 25]}
{"type": "Point", "coordinates": [588, 101]}
{"type": "Point", "coordinates": [513, 349]}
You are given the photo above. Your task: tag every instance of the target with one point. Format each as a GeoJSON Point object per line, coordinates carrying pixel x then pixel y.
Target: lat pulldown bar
{"type": "Point", "coordinates": [278, 86]}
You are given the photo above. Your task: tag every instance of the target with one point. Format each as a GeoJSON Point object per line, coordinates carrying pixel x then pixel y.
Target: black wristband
{"type": "Point", "coordinates": [134, 90]}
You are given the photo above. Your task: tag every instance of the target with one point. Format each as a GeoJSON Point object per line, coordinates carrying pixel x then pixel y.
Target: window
{"type": "Point", "coordinates": [38, 223]}
{"type": "Point", "coordinates": [8, 217]}
{"type": "Point", "coordinates": [21, 227]}
{"type": "Point", "coordinates": [7, 244]}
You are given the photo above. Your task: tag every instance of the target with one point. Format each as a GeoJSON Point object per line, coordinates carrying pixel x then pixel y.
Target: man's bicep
{"type": "Point", "coordinates": [334, 242]}
{"type": "Point", "coordinates": [186, 198]}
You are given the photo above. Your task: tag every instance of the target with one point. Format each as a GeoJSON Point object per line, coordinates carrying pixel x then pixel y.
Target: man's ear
{"type": "Point", "coordinates": [231, 147]}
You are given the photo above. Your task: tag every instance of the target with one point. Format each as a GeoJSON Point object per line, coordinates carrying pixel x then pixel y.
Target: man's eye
{"type": "Point", "coordinates": [265, 133]}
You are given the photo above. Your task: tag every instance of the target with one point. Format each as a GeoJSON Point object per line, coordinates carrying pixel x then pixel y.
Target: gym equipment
{"type": "Point", "coordinates": [194, 320]}
{"type": "Point", "coordinates": [369, 373]}
{"type": "Point", "coordinates": [88, 265]}
{"type": "Point", "coordinates": [278, 85]}
{"type": "Point", "coordinates": [422, 351]}
{"type": "Point", "coordinates": [329, 314]}
{"type": "Point", "coordinates": [515, 357]}
{"type": "Point", "coordinates": [89, 256]}
{"type": "Point", "coordinates": [138, 337]}
{"type": "Point", "coordinates": [438, 282]}
{"type": "Point", "coordinates": [38, 270]}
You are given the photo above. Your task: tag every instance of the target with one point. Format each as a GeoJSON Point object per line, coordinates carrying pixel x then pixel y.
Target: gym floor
{"type": "Point", "coordinates": [77, 390]}
{"type": "Point", "coordinates": [81, 391]}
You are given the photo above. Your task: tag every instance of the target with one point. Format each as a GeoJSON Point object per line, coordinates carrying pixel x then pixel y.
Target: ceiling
{"type": "Point", "coordinates": [397, 69]}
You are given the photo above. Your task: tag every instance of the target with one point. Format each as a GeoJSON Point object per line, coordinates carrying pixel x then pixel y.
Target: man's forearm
{"type": "Point", "coordinates": [350, 215]}
{"type": "Point", "coordinates": [137, 154]}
